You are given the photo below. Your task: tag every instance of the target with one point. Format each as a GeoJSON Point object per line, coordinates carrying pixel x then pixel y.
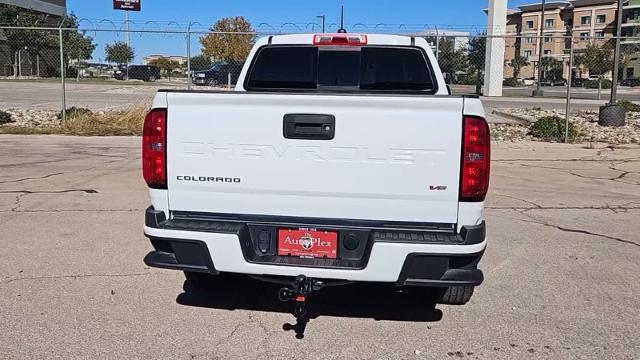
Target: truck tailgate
{"type": "Point", "coordinates": [392, 158]}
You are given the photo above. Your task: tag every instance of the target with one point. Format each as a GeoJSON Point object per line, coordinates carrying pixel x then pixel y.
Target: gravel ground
{"type": "Point", "coordinates": [33, 118]}
{"type": "Point", "coordinates": [585, 121]}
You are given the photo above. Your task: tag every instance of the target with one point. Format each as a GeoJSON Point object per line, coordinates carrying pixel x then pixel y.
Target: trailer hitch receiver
{"type": "Point", "coordinates": [299, 292]}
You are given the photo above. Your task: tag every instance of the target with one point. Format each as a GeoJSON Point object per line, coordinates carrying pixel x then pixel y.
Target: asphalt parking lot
{"type": "Point", "coordinates": [110, 95]}
{"type": "Point", "coordinates": [562, 269]}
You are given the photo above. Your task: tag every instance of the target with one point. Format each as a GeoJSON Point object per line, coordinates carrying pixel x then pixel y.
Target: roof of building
{"type": "Point", "coordinates": [52, 7]}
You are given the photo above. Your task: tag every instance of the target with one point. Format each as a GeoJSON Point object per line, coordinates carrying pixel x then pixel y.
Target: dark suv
{"type": "Point", "coordinates": [137, 72]}
{"type": "Point", "coordinates": [217, 74]}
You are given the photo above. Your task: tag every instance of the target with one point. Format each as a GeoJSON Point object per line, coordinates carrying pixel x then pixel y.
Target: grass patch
{"type": "Point", "coordinates": [552, 128]}
{"type": "Point", "coordinates": [82, 123]}
{"type": "Point", "coordinates": [5, 117]}
{"type": "Point", "coordinates": [75, 112]}
{"type": "Point", "coordinates": [629, 106]}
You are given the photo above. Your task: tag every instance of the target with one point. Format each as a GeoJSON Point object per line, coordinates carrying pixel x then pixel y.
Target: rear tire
{"type": "Point", "coordinates": [455, 295]}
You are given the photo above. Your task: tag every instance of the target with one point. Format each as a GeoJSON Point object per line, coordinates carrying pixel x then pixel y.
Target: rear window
{"type": "Point", "coordinates": [370, 68]}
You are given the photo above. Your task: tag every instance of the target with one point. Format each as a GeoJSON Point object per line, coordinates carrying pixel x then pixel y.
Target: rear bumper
{"type": "Point", "coordinates": [402, 263]}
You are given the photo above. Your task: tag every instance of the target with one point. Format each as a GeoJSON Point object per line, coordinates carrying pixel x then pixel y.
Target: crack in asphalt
{"type": "Point", "coordinates": [577, 231]}
{"type": "Point", "coordinates": [612, 167]}
{"type": "Point", "coordinates": [71, 210]}
{"type": "Point", "coordinates": [31, 178]}
{"type": "Point", "coordinates": [21, 193]}
{"type": "Point", "coordinates": [74, 276]}
{"type": "Point", "coordinates": [568, 160]}
{"type": "Point", "coordinates": [615, 209]}
{"type": "Point", "coordinates": [28, 192]}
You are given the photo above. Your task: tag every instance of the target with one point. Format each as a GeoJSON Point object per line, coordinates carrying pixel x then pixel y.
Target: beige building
{"type": "Point", "coordinates": [588, 21]}
{"type": "Point", "coordinates": [181, 60]}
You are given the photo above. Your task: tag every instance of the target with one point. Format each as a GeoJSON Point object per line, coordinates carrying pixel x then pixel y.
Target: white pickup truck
{"type": "Point", "coordinates": [338, 158]}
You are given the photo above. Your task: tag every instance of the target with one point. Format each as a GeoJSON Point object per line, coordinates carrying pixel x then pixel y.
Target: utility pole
{"type": "Point", "coordinates": [321, 17]}
{"type": "Point", "coordinates": [126, 35]}
{"type": "Point", "coordinates": [126, 24]}
{"type": "Point", "coordinates": [540, 51]}
{"type": "Point", "coordinates": [616, 55]}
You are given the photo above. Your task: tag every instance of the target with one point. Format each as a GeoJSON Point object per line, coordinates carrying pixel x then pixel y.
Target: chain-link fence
{"type": "Point", "coordinates": [57, 68]}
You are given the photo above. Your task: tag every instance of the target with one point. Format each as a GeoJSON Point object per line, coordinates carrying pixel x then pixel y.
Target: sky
{"type": "Point", "coordinates": [270, 16]}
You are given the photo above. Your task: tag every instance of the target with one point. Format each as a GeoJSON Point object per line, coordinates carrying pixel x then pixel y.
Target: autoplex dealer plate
{"type": "Point", "coordinates": [308, 243]}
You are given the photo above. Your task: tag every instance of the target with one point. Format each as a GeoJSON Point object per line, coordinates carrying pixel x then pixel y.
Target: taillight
{"type": "Point", "coordinates": [340, 39]}
{"type": "Point", "coordinates": [476, 153]}
{"type": "Point", "coordinates": [154, 152]}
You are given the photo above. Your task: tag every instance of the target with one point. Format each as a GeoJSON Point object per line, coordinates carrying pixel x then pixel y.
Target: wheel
{"type": "Point", "coordinates": [152, 79]}
{"type": "Point", "coordinates": [454, 295]}
{"type": "Point", "coordinates": [212, 83]}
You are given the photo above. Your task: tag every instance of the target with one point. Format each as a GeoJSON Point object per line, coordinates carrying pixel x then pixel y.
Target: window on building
{"type": "Point", "coordinates": [601, 19]}
{"type": "Point", "coordinates": [599, 34]}
{"type": "Point", "coordinates": [527, 54]}
{"type": "Point", "coordinates": [529, 24]}
{"type": "Point", "coordinates": [584, 36]}
{"type": "Point", "coordinates": [585, 20]}
{"type": "Point", "coordinates": [547, 52]}
{"type": "Point", "coordinates": [530, 40]}
{"type": "Point", "coordinates": [548, 23]}
{"type": "Point", "coordinates": [548, 38]}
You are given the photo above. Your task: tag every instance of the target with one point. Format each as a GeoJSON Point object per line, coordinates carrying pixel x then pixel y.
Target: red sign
{"type": "Point", "coordinates": [308, 243]}
{"type": "Point", "coordinates": [129, 5]}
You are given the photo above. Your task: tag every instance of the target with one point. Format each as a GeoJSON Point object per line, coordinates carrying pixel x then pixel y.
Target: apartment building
{"type": "Point", "coordinates": [590, 21]}
{"type": "Point", "coordinates": [630, 45]}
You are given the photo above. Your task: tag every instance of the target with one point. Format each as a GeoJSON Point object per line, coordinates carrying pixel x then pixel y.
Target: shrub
{"type": "Point", "coordinates": [629, 106]}
{"type": "Point", "coordinates": [5, 118]}
{"type": "Point", "coordinates": [76, 112]}
{"type": "Point", "coordinates": [513, 82]}
{"type": "Point", "coordinates": [552, 128]}
{"type": "Point", "coordinates": [593, 84]}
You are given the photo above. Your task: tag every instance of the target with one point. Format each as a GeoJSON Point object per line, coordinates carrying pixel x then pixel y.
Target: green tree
{"type": "Point", "coordinates": [477, 49]}
{"type": "Point", "coordinates": [517, 63]}
{"type": "Point", "coordinates": [598, 59]}
{"type": "Point", "coordinates": [579, 63]}
{"type": "Point", "coordinates": [451, 60]}
{"type": "Point", "coordinates": [76, 45]}
{"type": "Point", "coordinates": [166, 65]}
{"type": "Point", "coordinates": [200, 62]}
{"type": "Point", "coordinates": [222, 45]}
{"type": "Point", "coordinates": [551, 68]}
{"type": "Point", "coordinates": [119, 53]}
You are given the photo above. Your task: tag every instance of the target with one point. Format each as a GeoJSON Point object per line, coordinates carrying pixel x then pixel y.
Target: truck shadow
{"type": "Point", "coordinates": [366, 300]}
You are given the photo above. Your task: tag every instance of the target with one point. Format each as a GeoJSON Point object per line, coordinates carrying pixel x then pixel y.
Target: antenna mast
{"type": "Point", "coordinates": [342, 30]}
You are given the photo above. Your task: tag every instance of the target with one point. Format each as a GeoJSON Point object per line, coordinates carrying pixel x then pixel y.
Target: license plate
{"type": "Point", "coordinates": [308, 243]}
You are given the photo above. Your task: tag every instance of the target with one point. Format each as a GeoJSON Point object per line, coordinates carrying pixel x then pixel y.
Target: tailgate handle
{"type": "Point", "coordinates": [309, 126]}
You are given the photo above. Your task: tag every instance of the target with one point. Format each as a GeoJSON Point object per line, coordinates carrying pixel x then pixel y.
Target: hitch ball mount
{"type": "Point", "coordinates": [299, 292]}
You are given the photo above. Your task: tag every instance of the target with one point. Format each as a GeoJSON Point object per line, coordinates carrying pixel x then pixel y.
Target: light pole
{"type": "Point", "coordinates": [616, 54]}
{"type": "Point", "coordinates": [321, 17]}
{"type": "Point", "coordinates": [613, 114]}
{"type": "Point", "coordinates": [540, 50]}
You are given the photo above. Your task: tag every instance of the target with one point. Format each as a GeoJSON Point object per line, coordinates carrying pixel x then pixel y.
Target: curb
{"type": "Point", "coordinates": [520, 119]}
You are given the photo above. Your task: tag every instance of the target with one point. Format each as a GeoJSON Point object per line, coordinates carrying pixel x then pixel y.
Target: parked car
{"type": "Point", "coordinates": [578, 82]}
{"type": "Point", "coordinates": [339, 158]}
{"type": "Point", "coordinates": [553, 82]}
{"type": "Point", "coordinates": [217, 74]}
{"type": "Point", "coordinates": [138, 72]}
{"type": "Point", "coordinates": [630, 82]}
{"type": "Point", "coordinates": [529, 81]}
